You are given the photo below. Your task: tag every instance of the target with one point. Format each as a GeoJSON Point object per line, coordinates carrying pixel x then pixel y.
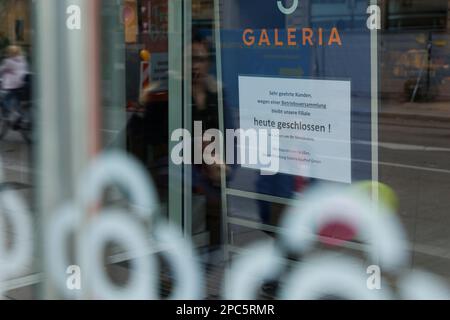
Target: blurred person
{"type": "Point", "coordinates": [282, 186]}
{"type": "Point", "coordinates": [204, 85]}
{"type": "Point", "coordinates": [279, 185]}
{"type": "Point", "coordinates": [13, 71]}
{"type": "Point", "coordinates": [206, 178]}
{"type": "Point", "coordinates": [147, 135]}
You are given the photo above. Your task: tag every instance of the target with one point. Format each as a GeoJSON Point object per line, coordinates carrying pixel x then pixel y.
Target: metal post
{"type": "Point", "coordinates": [175, 107]}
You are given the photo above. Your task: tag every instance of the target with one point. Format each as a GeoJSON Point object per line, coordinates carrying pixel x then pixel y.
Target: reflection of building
{"type": "Point", "coordinates": [15, 21]}
{"type": "Point", "coordinates": [408, 27]}
{"type": "Point", "coordinates": [396, 14]}
{"type": "Point", "coordinates": [146, 27]}
{"type": "Point", "coordinates": [344, 13]}
{"type": "Point", "coordinates": [414, 49]}
{"type": "Point", "coordinates": [415, 14]}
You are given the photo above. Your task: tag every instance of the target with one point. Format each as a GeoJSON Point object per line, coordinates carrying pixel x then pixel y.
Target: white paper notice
{"type": "Point", "coordinates": [314, 119]}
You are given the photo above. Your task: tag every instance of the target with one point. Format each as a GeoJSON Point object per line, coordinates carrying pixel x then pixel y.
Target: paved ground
{"type": "Point", "coordinates": [427, 110]}
{"type": "Point", "coordinates": [415, 161]}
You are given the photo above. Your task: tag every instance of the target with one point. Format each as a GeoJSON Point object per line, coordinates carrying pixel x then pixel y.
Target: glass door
{"type": "Point", "coordinates": [210, 149]}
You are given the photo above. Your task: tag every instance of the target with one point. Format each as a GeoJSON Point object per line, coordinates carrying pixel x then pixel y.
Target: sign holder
{"type": "Point", "coordinates": [144, 81]}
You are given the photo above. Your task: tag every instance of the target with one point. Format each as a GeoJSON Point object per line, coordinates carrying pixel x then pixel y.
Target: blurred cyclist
{"type": "Point", "coordinates": [13, 70]}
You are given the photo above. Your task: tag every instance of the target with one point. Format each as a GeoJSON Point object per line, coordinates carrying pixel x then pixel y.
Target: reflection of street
{"type": "Point", "coordinates": [17, 175]}
{"type": "Point", "coordinates": [415, 161]}
{"type": "Point", "coordinates": [15, 157]}
{"type": "Point", "coordinates": [17, 166]}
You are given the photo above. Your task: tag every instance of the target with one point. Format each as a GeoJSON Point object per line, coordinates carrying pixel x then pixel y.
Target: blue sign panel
{"type": "Point", "coordinates": [305, 66]}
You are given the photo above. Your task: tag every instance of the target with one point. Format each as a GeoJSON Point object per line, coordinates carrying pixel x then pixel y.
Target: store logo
{"type": "Point", "coordinates": [323, 275]}
{"type": "Point", "coordinates": [128, 229]}
{"type": "Point", "coordinates": [291, 37]}
{"type": "Point", "coordinates": [289, 10]}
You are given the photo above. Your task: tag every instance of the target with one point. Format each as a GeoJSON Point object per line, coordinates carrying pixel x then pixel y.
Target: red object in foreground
{"type": "Point", "coordinates": [336, 233]}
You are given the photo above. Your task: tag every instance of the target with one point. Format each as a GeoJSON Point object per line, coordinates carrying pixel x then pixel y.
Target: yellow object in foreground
{"type": "Point", "coordinates": [386, 194]}
{"type": "Point", "coordinates": [145, 55]}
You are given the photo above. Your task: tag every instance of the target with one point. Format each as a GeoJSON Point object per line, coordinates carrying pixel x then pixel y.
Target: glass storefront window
{"type": "Point", "coordinates": [238, 149]}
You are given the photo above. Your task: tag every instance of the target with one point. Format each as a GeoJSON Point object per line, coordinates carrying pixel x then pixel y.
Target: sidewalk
{"type": "Point", "coordinates": [434, 111]}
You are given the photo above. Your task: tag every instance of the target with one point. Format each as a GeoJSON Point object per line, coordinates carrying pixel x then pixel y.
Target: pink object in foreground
{"type": "Point", "coordinates": [336, 233]}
